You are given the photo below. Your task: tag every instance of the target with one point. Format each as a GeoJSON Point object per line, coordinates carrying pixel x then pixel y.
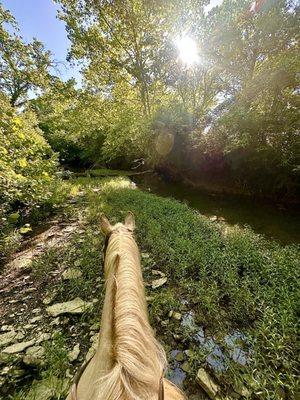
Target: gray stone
{"type": "Point", "coordinates": [49, 298]}
{"type": "Point", "coordinates": [74, 353]}
{"type": "Point", "coordinates": [92, 349]}
{"type": "Point", "coordinates": [9, 337]}
{"type": "Point", "coordinates": [56, 321]}
{"type": "Point", "coordinates": [95, 326]}
{"type": "Point", "coordinates": [71, 273]}
{"type": "Point", "coordinates": [5, 328]}
{"type": "Point", "coordinates": [207, 383]}
{"type": "Point", "coordinates": [179, 356]}
{"type": "Point", "coordinates": [43, 337]}
{"type": "Point", "coordinates": [185, 367]}
{"type": "Point", "coordinates": [35, 319]}
{"type": "Point", "coordinates": [242, 390]}
{"type": "Point", "coordinates": [157, 272]}
{"type": "Point", "coordinates": [28, 326]}
{"type": "Point", "coordinates": [158, 282]}
{"type": "Point", "coordinates": [5, 358]}
{"type": "Point", "coordinates": [34, 356]}
{"type": "Point", "coordinates": [76, 306]}
{"type": "Point", "coordinates": [48, 388]}
{"type": "Point", "coordinates": [18, 347]}
{"type": "Point", "coordinates": [175, 315]}
{"type": "Point", "coordinates": [145, 255]}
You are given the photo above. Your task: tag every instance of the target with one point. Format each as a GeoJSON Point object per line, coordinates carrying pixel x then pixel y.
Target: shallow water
{"type": "Point", "coordinates": [275, 222]}
{"type": "Point", "coordinates": [219, 354]}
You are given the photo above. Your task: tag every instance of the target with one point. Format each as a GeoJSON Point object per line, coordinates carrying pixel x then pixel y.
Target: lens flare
{"type": "Point", "coordinates": [188, 52]}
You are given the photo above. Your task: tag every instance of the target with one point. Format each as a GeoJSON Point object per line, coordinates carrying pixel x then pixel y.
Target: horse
{"type": "Point", "coordinates": [129, 363]}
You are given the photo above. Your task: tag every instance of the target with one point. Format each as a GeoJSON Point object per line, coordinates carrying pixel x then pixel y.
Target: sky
{"type": "Point", "coordinates": [212, 4]}
{"type": "Point", "coordinates": [37, 18]}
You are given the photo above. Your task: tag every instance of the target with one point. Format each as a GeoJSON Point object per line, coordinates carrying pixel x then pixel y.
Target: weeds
{"type": "Point", "coordinates": [231, 280]}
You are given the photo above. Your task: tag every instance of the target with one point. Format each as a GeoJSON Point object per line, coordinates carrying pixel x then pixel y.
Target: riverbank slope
{"type": "Point", "coordinates": [219, 297]}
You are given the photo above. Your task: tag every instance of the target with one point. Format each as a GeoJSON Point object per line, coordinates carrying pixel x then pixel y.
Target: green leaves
{"type": "Point", "coordinates": [27, 161]}
{"type": "Point", "coordinates": [25, 229]}
{"type": "Point", "coordinates": [24, 66]}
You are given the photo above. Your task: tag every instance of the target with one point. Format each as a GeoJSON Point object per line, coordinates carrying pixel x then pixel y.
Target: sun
{"type": "Point", "coordinates": [188, 52]}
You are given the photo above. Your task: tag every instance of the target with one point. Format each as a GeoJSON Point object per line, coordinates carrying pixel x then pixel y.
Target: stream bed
{"type": "Point", "coordinates": [275, 222]}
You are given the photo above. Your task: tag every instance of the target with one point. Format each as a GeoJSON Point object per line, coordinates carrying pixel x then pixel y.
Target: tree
{"type": "Point", "coordinates": [24, 67]}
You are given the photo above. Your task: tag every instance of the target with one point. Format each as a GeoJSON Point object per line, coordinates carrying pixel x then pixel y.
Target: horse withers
{"type": "Point", "coordinates": [129, 363]}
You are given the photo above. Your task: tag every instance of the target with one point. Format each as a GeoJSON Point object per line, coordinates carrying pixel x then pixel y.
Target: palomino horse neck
{"type": "Point", "coordinates": [129, 362]}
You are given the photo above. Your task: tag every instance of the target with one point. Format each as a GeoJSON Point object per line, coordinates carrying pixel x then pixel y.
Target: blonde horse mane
{"type": "Point", "coordinates": [138, 359]}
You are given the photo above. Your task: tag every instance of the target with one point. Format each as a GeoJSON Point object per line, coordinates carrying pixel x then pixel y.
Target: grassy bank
{"type": "Point", "coordinates": [228, 279]}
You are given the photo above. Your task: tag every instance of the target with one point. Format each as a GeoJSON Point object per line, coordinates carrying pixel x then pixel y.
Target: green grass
{"type": "Point", "coordinates": [231, 278]}
{"type": "Point", "coordinates": [234, 279]}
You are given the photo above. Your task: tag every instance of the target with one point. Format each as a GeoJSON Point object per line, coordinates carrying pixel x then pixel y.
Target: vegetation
{"type": "Point", "coordinates": [225, 113]}
{"type": "Point", "coordinates": [27, 172]}
{"type": "Point", "coordinates": [230, 117]}
{"type": "Point", "coordinates": [232, 280]}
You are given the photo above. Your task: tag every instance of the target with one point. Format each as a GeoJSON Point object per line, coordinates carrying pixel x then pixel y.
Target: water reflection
{"type": "Point", "coordinates": [277, 223]}
{"type": "Point", "coordinates": [217, 357]}
{"type": "Point", "coordinates": [175, 373]}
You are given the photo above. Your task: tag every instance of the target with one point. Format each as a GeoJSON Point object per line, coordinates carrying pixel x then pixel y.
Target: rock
{"type": "Point", "coordinates": [6, 328]}
{"type": "Point", "coordinates": [14, 301]}
{"type": "Point", "coordinates": [48, 388]}
{"type": "Point", "coordinates": [242, 390]}
{"type": "Point", "coordinates": [43, 337]}
{"type": "Point", "coordinates": [92, 349]}
{"type": "Point", "coordinates": [10, 337]}
{"type": "Point", "coordinates": [176, 315]}
{"type": "Point", "coordinates": [179, 356]}
{"type": "Point", "coordinates": [34, 356]}
{"type": "Point", "coordinates": [69, 375]}
{"type": "Point", "coordinates": [95, 326]}
{"type": "Point", "coordinates": [18, 347]}
{"type": "Point", "coordinates": [145, 255]}
{"type": "Point", "coordinates": [188, 353]}
{"type": "Point", "coordinates": [28, 326]}
{"type": "Point", "coordinates": [35, 319]}
{"type": "Point", "coordinates": [74, 353]}
{"type": "Point", "coordinates": [176, 336]}
{"type": "Point", "coordinates": [49, 298]}
{"type": "Point", "coordinates": [158, 282]}
{"type": "Point", "coordinates": [36, 310]}
{"type": "Point", "coordinates": [207, 383]}
{"type": "Point", "coordinates": [71, 273]}
{"type": "Point", "coordinates": [7, 337]}
{"type": "Point", "coordinates": [213, 218]}
{"type": "Point", "coordinates": [157, 272]}
{"type": "Point", "coordinates": [5, 358]}
{"type": "Point", "coordinates": [185, 367]}
{"type": "Point", "coordinates": [56, 321]}
{"type": "Point", "coordinates": [12, 371]}
{"type": "Point", "coordinates": [76, 306]}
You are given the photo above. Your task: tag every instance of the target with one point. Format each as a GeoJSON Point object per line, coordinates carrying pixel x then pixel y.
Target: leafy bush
{"type": "Point", "coordinates": [27, 161]}
{"type": "Point", "coordinates": [27, 167]}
